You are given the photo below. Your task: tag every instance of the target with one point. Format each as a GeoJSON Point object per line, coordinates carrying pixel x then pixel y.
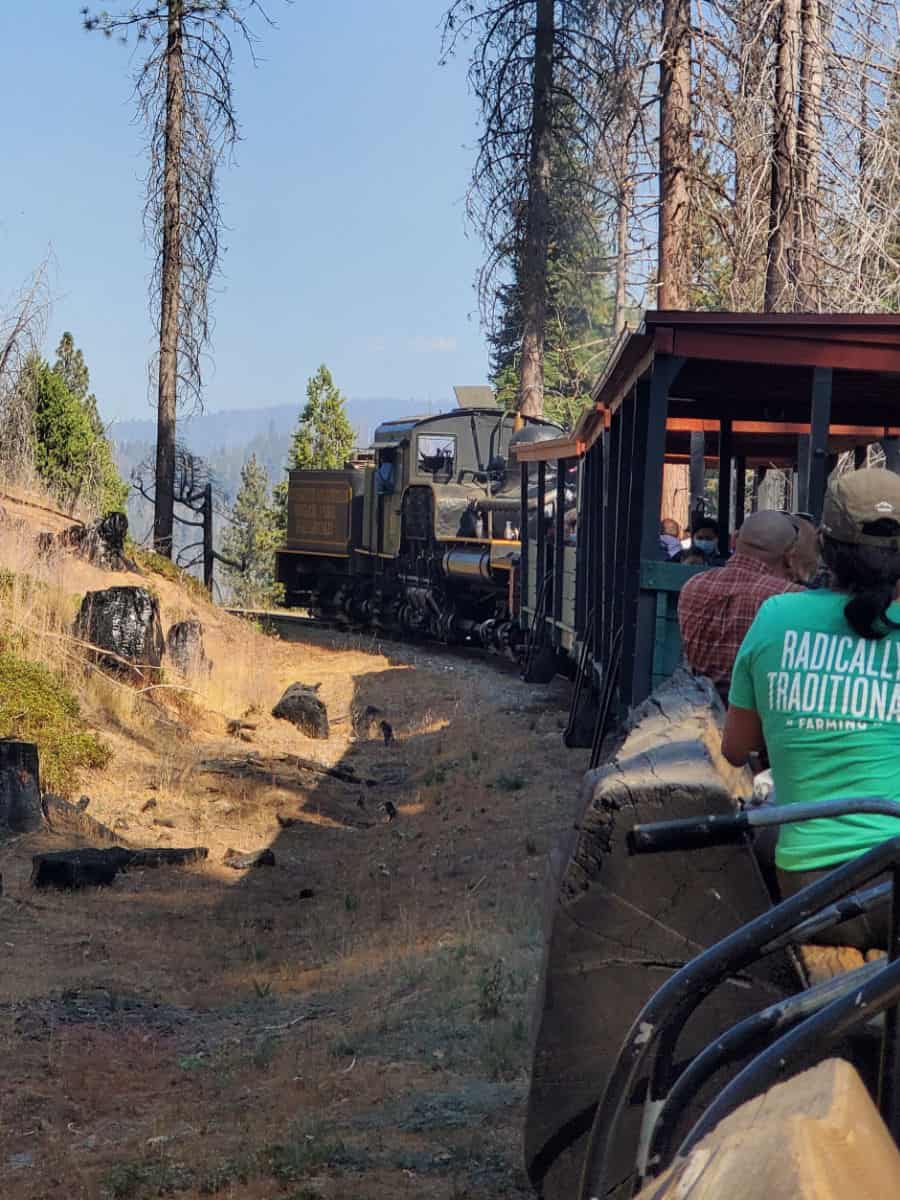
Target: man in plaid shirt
{"type": "Point", "coordinates": [774, 553]}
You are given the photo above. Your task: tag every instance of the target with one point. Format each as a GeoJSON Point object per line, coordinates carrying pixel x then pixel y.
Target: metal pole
{"type": "Point", "coordinates": [697, 473]}
{"type": "Point", "coordinates": [208, 556]}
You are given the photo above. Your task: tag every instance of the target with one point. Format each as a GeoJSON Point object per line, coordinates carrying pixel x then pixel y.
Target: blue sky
{"type": "Point", "coordinates": [347, 239]}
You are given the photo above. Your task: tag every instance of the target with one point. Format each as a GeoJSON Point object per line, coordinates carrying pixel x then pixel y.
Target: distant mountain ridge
{"type": "Point", "coordinates": [209, 432]}
{"type": "Point", "coordinates": [227, 439]}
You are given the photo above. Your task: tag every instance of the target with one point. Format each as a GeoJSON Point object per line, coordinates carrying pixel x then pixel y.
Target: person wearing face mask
{"type": "Point", "coordinates": [775, 552]}
{"type": "Point", "coordinates": [704, 548]}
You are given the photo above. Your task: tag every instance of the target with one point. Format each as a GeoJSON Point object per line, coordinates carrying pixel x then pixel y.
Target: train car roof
{"type": "Point", "coordinates": [395, 432]}
{"type": "Point", "coordinates": [755, 370]}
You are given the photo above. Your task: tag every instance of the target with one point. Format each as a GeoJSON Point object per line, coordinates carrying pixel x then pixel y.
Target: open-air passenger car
{"type": "Point", "coordinates": [639, 990]}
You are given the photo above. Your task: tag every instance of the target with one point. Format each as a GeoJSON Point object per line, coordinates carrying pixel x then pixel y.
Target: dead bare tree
{"type": "Point", "coordinates": [23, 324]}
{"type": "Point", "coordinates": [184, 98]}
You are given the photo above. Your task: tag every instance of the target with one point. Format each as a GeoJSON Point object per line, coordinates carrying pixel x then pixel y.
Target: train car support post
{"type": "Point", "coordinates": [820, 419]}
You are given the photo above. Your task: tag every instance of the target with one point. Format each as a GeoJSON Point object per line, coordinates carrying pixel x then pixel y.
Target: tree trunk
{"type": "Point", "coordinates": [780, 290]}
{"type": "Point", "coordinates": [537, 220]}
{"type": "Point", "coordinates": [623, 214]}
{"type": "Point", "coordinates": [808, 151]}
{"type": "Point", "coordinates": [164, 506]}
{"type": "Point", "coordinates": [674, 155]}
{"type": "Point", "coordinates": [621, 262]}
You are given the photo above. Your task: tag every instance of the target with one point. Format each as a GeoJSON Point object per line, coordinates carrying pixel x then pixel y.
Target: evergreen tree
{"type": "Point", "coordinates": [72, 368]}
{"type": "Point", "coordinates": [324, 438]}
{"type": "Point", "coordinates": [71, 456]}
{"type": "Point", "coordinates": [579, 328]}
{"type": "Point", "coordinates": [252, 539]}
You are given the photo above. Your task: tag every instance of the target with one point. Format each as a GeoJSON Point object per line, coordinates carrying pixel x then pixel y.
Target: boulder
{"type": "Point", "coordinates": [244, 861]}
{"type": "Point", "coordinates": [301, 705]}
{"type": "Point", "coordinates": [184, 647]}
{"type": "Point", "coordinates": [20, 788]}
{"type": "Point", "coordinates": [124, 621]}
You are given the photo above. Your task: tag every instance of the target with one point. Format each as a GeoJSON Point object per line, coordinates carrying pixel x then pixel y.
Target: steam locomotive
{"type": "Point", "coordinates": [422, 536]}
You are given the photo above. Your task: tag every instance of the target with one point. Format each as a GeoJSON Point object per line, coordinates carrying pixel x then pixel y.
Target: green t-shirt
{"type": "Point", "coordinates": [829, 702]}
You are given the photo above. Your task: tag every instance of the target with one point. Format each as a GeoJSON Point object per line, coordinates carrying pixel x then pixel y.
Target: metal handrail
{"type": "Point", "coordinates": [667, 1011]}
{"type": "Point", "coordinates": [749, 1036]}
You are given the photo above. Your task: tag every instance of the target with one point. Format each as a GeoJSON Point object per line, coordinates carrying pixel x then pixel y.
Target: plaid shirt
{"type": "Point", "coordinates": [717, 607]}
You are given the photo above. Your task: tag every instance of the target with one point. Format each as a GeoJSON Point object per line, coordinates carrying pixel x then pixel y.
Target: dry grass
{"type": "Point", "coordinates": [350, 1023]}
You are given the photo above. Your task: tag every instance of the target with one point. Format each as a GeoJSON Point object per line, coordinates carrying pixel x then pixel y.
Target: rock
{"type": "Point", "coordinates": [20, 787]}
{"type": "Point", "coordinates": [303, 708]}
{"type": "Point", "coordinates": [124, 621]}
{"type": "Point", "coordinates": [254, 858]}
{"type": "Point", "coordinates": [184, 647]}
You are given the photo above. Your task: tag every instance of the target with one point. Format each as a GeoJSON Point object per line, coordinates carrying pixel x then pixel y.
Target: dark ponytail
{"type": "Point", "coordinates": [869, 574]}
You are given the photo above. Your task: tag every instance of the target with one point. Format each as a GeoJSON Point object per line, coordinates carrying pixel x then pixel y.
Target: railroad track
{"type": "Point", "coordinates": [284, 622]}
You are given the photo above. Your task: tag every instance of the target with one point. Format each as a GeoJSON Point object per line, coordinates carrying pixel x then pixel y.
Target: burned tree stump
{"type": "Point", "coordinates": [618, 927]}
{"type": "Point", "coordinates": [98, 868]}
{"type": "Point", "coordinates": [184, 648]}
{"type": "Point", "coordinates": [124, 623]}
{"type": "Point", "coordinates": [301, 706]}
{"type": "Point", "coordinates": [20, 787]}
{"type": "Point", "coordinates": [102, 542]}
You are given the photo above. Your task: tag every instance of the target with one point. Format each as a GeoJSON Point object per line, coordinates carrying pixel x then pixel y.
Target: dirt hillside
{"type": "Point", "coordinates": [351, 1022]}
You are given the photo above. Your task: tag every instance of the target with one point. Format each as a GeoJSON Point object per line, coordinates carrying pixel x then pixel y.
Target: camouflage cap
{"type": "Point", "coordinates": [860, 498]}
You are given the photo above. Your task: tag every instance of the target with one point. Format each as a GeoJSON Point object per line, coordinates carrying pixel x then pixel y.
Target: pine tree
{"type": "Point", "coordinates": [71, 452]}
{"type": "Point", "coordinates": [324, 438]}
{"type": "Point", "coordinates": [73, 371]}
{"type": "Point", "coordinates": [252, 539]}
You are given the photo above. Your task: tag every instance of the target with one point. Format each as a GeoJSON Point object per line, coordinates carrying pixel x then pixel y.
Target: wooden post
{"type": "Point", "coordinates": [801, 488]}
{"type": "Point", "coordinates": [820, 419]}
{"type": "Point", "coordinates": [20, 786]}
{"type": "Point", "coordinates": [208, 556]}
{"type": "Point", "coordinates": [740, 491]}
{"type": "Point", "coordinates": [724, 513]}
{"type": "Point", "coordinates": [891, 448]}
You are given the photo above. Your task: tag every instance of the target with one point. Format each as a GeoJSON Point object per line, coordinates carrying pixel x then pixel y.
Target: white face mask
{"type": "Point", "coordinates": [704, 545]}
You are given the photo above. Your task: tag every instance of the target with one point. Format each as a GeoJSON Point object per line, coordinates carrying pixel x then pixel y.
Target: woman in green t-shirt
{"type": "Point", "coordinates": [816, 684]}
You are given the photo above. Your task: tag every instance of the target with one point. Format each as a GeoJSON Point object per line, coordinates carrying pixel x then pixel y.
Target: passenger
{"type": "Point", "coordinates": [774, 553]}
{"type": "Point", "coordinates": [817, 684]}
{"type": "Point", "coordinates": [670, 537]}
{"type": "Point", "coordinates": [384, 476]}
{"type": "Point", "coordinates": [704, 547]}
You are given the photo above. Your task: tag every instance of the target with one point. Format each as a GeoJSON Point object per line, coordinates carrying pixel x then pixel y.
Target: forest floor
{"type": "Point", "coordinates": [352, 1022]}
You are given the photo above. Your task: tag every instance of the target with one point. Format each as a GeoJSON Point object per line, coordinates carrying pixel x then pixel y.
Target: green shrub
{"type": "Point", "coordinates": [158, 564]}
{"type": "Point", "coordinates": [36, 705]}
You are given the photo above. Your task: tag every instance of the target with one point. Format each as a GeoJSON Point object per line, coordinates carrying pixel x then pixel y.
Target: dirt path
{"type": "Point", "coordinates": [352, 1022]}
